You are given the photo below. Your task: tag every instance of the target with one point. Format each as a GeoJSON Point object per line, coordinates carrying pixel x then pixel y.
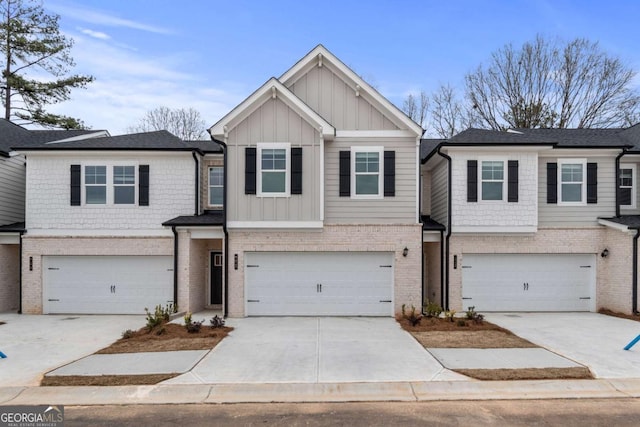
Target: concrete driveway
{"type": "Point", "coordinates": [35, 344]}
{"type": "Point", "coordinates": [316, 350]}
{"type": "Point", "coordinates": [592, 339]}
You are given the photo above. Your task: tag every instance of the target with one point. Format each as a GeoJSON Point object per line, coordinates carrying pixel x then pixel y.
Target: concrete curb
{"type": "Point", "coordinates": [321, 392]}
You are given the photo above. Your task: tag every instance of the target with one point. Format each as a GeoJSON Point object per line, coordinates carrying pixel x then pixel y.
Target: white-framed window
{"type": "Point", "coordinates": [216, 185]}
{"type": "Point", "coordinates": [572, 181]}
{"type": "Point", "coordinates": [628, 188]}
{"type": "Point", "coordinates": [492, 182]}
{"type": "Point", "coordinates": [274, 169]}
{"type": "Point", "coordinates": [367, 172]}
{"type": "Point", "coordinates": [109, 184]}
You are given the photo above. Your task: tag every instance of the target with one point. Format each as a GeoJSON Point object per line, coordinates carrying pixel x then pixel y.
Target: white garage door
{"type": "Point", "coordinates": [319, 284]}
{"type": "Point", "coordinates": [518, 282]}
{"type": "Point", "coordinates": [106, 284]}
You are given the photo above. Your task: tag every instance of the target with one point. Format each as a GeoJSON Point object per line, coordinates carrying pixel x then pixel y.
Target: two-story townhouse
{"type": "Point", "coordinates": [322, 197]}
{"type": "Point", "coordinates": [531, 219]}
{"type": "Point", "coordinates": [12, 200]}
{"type": "Point", "coordinates": [103, 217]}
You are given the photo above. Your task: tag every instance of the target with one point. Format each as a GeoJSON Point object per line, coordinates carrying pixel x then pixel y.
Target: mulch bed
{"type": "Point", "coordinates": [576, 373]}
{"type": "Point", "coordinates": [635, 317]}
{"type": "Point", "coordinates": [104, 380]}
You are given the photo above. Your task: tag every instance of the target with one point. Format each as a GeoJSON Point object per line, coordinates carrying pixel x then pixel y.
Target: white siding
{"type": "Point", "coordinates": [439, 194]}
{"type": "Point", "coordinates": [400, 209]}
{"type": "Point", "coordinates": [554, 215]}
{"type": "Point", "coordinates": [336, 101]}
{"type": "Point", "coordinates": [12, 177]}
{"type": "Point", "coordinates": [273, 122]}
{"type": "Point", "coordinates": [171, 192]}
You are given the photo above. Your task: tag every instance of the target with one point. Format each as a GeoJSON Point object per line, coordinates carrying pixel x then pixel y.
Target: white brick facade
{"type": "Point", "coordinates": [524, 213]}
{"type": "Point", "coordinates": [338, 238]}
{"type": "Point", "coordinates": [171, 192]}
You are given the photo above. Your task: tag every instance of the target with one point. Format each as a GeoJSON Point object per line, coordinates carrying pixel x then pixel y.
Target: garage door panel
{"type": "Point", "coordinates": [319, 283]}
{"type": "Point", "coordinates": [106, 284]}
{"type": "Point", "coordinates": [528, 282]}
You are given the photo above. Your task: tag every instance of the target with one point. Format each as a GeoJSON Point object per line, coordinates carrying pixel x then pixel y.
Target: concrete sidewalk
{"type": "Point", "coordinates": [321, 392]}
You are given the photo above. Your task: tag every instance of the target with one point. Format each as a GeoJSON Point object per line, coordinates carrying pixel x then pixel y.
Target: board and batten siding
{"type": "Point", "coordinates": [557, 215]}
{"type": "Point", "coordinates": [12, 189]}
{"type": "Point", "coordinates": [273, 121]}
{"type": "Point", "coordinates": [400, 209]}
{"type": "Point", "coordinates": [425, 197]}
{"type": "Point", "coordinates": [439, 194]}
{"type": "Point", "coordinates": [330, 96]}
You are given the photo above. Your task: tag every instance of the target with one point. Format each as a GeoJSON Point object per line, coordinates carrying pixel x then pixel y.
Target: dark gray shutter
{"type": "Point", "coordinates": [345, 173]}
{"type": "Point", "coordinates": [296, 170]}
{"type": "Point", "coordinates": [552, 183]}
{"type": "Point", "coordinates": [472, 180]}
{"type": "Point", "coordinates": [143, 185]}
{"type": "Point", "coordinates": [76, 190]}
{"type": "Point", "coordinates": [592, 183]}
{"type": "Point", "coordinates": [389, 173]}
{"type": "Point", "coordinates": [249, 170]}
{"type": "Point", "coordinates": [512, 187]}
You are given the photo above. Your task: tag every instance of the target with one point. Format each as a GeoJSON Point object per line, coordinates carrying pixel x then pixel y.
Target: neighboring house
{"type": "Point", "coordinates": [12, 200]}
{"type": "Point", "coordinates": [532, 219]}
{"type": "Point", "coordinates": [322, 196]}
{"type": "Point", "coordinates": [98, 233]}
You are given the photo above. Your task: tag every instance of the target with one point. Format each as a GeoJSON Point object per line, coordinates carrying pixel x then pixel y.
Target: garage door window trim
{"type": "Point", "coordinates": [109, 184]}
{"type": "Point", "coordinates": [274, 169]}
{"type": "Point", "coordinates": [367, 172]}
{"type": "Point", "coordinates": [572, 182]}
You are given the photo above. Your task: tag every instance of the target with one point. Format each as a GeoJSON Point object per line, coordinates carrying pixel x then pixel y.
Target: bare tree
{"type": "Point", "coordinates": [186, 124]}
{"type": "Point", "coordinates": [553, 84]}
{"type": "Point", "coordinates": [417, 108]}
{"type": "Point", "coordinates": [449, 115]}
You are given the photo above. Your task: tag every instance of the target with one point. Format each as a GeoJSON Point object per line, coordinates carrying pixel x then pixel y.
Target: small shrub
{"type": "Point", "coordinates": [160, 316]}
{"type": "Point", "coordinates": [449, 315]}
{"type": "Point", "coordinates": [413, 316]}
{"type": "Point", "coordinates": [461, 322]}
{"type": "Point", "coordinates": [192, 327]}
{"type": "Point", "coordinates": [216, 322]}
{"type": "Point", "coordinates": [478, 319]}
{"type": "Point", "coordinates": [127, 334]}
{"type": "Point", "coordinates": [474, 316]}
{"type": "Point", "coordinates": [432, 309]}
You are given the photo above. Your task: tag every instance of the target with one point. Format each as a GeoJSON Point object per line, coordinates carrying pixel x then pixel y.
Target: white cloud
{"type": "Point", "coordinates": [95, 34]}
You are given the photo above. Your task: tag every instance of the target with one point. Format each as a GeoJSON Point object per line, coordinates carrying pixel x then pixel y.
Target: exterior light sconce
{"type": "Point", "coordinates": [605, 253]}
{"type": "Point", "coordinates": [405, 251]}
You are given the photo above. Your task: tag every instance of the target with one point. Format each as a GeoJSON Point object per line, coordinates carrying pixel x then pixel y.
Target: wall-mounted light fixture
{"type": "Point", "coordinates": [235, 261]}
{"type": "Point", "coordinates": [605, 253]}
{"type": "Point", "coordinates": [455, 262]}
{"type": "Point", "coordinates": [405, 251]}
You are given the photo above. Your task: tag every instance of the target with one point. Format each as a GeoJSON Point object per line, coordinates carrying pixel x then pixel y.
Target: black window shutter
{"type": "Point", "coordinates": [389, 173]}
{"type": "Point", "coordinates": [345, 173]}
{"type": "Point", "coordinates": [250, 170]}
{"type": "Point", "coordinates": [592, 183]}
{"type": "Point", "coordinates": [76, 185]}
{"type": "Point", "coordinates": [296, 170]}
{"type": "Point", "coordinates": [552, 183]}
{"type": "Point", "coordinates": [512, 187]}
{"type": "Point", "coordinates": [143, 185]}
{"type": "Point", "coordinates": [472, 180]}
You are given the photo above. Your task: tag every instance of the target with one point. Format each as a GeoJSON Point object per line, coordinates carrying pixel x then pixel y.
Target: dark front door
{"type": "Point", "coordinates": [216, 277]}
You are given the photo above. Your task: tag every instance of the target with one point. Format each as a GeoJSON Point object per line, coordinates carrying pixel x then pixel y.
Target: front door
{"type": "Point", "coordinates": [216, 278]}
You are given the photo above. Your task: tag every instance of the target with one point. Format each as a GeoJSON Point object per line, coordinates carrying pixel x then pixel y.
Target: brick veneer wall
{"type": "Point", "coordinates": [9, 277]}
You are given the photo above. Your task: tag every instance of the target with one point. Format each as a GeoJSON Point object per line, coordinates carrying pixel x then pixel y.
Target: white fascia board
{"type": "Point", "coordinates": [99, 134]}
{"type": "Point", "coordinates": [495, 148]}
{"type": "Point", "coordinates": [391, 133]}
{"type": "Point", "coordinates": [494, 229]}
{"type": "Point", "coordinates": [204, 232]}
{"type": "Point", "coordinates": [312, 59]}
{"type": "Point", "coordinates": [430, 236]}
{"type": "Point", "coordinates": [14, 154]}
{"type": "Point", "coordinates": [99, 232]}
{"type": "Point", "coordinates": [270, 89]}
{"type": "Point", "coordinates": [275, 225]}
{"type": "Point", "coordinates": [614, 225]}
{"type": "Point", "coordinates": [104, 154]}
{"type": "Point", "coordinates": [583, 152]}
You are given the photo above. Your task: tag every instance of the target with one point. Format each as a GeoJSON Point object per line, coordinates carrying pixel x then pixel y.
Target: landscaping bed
{"type": "Point", "coordinates": [635, 317]}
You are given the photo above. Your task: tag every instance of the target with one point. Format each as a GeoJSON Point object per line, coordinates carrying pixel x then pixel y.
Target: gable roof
{"type": "Point", "coordinates": [272, 88]}
{"type": "Point", "coordinates": [321, 53]}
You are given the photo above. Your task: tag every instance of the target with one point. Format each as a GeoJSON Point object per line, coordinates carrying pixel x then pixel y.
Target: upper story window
{"type": "Point", "coordinates": [627, 186]}
{"type": "Point", "coordinates": [105, 185]}
{"type": "Point", "coordinates": [216, 185]}
{"type": "Point", "coordinates": [492, 180]}
{"type": "Point", "coordinates": [572, 181]}
{"type": "Point", "coordinates": [367, 172]}
{"type": "Point", "coordinates": [274, 164]}
{"type": "Point", "coordinates": [124, 185]}
{"type": "Point", "coordinates": [95, 185]}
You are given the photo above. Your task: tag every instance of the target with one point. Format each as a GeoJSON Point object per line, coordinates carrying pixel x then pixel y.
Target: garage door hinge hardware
{"type": "Point", "coordinates": [113, 289]}
{"type": "Point", "coordinates": [525, 286]}
{"type": "Point", "coordinates": [319, 287]}
{"type": "Point", "coordinates": [585, 266]}
{"type": "Point", "coordinates": [252, 265]}
{"type": "Point", "coordinates": [466, 298]}
{"type": "Point", "coordinates": [466, 266]}
{"type": "Point", "coordinates": [50, 299]}
{"type": "Point", "coordinates": [585, 297]}
{"type": "Point", "coordinates": [386, 266]}
{"type": "Point", "coordinates": [53, 268]}
{"type": "Point", "coordinates": [385, 300]}
{"type": "Point", "coordinates": [253, 300]}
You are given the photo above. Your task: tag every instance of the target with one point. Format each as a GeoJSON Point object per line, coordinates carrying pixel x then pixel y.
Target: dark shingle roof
{"type": "Point", "coordinates": [16, 227]}
{"type": "Point", "coordinates": [141, 141]}
{"type": "Point", "coordinates": [428, 145]}
{"type": "Point", "coordinates": [209, 218]}
{"type": "Point", "coordinates": [429, 224]}
{"type": "Point", "coordinates": [12, 135]}
{"type": "Point", "coordinates": [206, 146]}
{"type": "Point", "coordinates": [631, 221]}
{"type": "Point", "coordinates": [590, 138]}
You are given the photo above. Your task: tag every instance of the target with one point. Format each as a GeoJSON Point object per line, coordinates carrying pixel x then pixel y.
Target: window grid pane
{"type": "Point", "coordinates": [124, 195]}
{"type": "Point", "coordinates": [492, 171]}
{"type": "Point", "coordinates": [572, 173]}
{"type": "Point", "coordinates": [95, 175]}
{"type": "Point", "coordinates": [96, 195]}
{"type": "Point", "coordinates": [492, 180]}
{"type": "Point", "coordinates": [273, 182]}
{"type": "Point", "coordinates": [367, 173]}
{"type": "Point", "coordinates": [216, 184]}
{"type": "Point", "coordinates": [274, 159]}
{"type": "Point", "coordinates": [571, 192]}
{"type": "Point", "coordinates": [626, 178]}
{"type": "Point", "coordinates": [124, 175]}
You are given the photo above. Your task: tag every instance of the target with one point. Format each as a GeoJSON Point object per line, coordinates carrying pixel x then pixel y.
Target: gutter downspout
{"type": "Point", "coordinates": [20, 274]}
{"type": "Point", "coordinates": [617, 184]}
{"type": "Point", "coordinates": [445, 304]}
{"type": "Point", "coordinates": [224, 226]}
{"type": "Point", "coordinates": [197, 184]}
{"type": "Point", "coordinates": [634, 285]}
{"type": "Point", "coordinates": [175, 268]}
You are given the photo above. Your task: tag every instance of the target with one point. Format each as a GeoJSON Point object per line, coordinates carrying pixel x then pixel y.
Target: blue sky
{"type": "Point", "coordinates": [211, 54]}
